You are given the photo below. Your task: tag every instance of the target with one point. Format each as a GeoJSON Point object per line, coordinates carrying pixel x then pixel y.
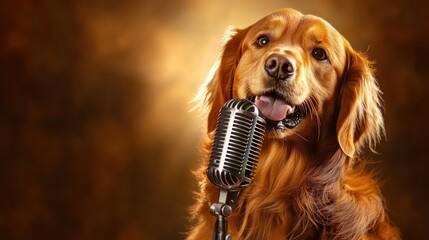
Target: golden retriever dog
{"type": "Point", "coordinates": [323, 110]}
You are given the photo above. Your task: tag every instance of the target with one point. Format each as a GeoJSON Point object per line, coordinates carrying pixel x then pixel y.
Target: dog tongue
{"type": "Point", "coordinates": [273, 108]}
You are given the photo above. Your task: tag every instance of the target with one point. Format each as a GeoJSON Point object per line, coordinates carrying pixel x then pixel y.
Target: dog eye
{"type": "Point", "coordinates": [262, 41]}
{"type": "Point", "coordinates": [319, 54]}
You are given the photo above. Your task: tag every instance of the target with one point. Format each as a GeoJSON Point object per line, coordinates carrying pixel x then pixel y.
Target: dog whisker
{"type": "Point", "coordinates": [314, 111]}
{"type": "Point", "coordinates": [303, 138]}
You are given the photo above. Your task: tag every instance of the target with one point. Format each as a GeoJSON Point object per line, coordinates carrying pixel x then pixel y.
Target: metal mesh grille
{"type": "Point", "coordinates": [237, 145]}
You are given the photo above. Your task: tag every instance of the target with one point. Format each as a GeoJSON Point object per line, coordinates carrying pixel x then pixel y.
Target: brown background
{"type": "Point", "coordinates": [96, 140]}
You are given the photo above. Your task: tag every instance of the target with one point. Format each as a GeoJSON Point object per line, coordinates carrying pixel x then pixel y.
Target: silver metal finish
{"type": "Point", "coordinates": [235, 153]}
{"type": "Point", "coordinates": [237, 145]}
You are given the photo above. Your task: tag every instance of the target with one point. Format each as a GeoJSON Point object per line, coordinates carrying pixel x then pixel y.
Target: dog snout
{"type": "Point", "coordinates": [279, 66]}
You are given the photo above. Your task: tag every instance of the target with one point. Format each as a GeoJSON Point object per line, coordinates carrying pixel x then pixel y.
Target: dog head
{"type": "Point", "coordinates": [305, 78]}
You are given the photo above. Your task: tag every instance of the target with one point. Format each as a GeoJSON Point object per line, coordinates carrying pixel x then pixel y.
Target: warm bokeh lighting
{"type": "Point", "coordinates": [96, 137]}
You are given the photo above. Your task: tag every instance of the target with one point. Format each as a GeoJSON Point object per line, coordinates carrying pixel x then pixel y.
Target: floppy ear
{"type": "Point", "coordinates": [217, 88]}
{"type": "Point", "coordinates": [360, 120]}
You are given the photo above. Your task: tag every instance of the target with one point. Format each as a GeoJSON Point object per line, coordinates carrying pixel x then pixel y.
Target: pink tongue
{"type": "Point", "coordinates": [273, 108]}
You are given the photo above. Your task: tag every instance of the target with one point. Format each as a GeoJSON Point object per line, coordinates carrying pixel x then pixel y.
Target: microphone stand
{"type": "Point", "coordinates": [222, 210]}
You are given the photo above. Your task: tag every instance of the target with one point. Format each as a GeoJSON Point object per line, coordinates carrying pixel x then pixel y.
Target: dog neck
{"type": "Point", "coordinates": [286, 191]}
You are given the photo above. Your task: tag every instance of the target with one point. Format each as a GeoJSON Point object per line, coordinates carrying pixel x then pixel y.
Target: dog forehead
{"type": "Point", "coordinates": [277, 22]}
{"type": "Point", "coordinates": [289, 23]}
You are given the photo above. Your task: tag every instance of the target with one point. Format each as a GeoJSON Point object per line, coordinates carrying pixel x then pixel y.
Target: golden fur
{"type": "Point", "coordinates": [310, 182]}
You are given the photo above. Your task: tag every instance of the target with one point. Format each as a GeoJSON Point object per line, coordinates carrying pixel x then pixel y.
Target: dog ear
{"type": "Point", "coordinates": [217, 88]}
{"type": "Point", "coordinates": [360, 119]}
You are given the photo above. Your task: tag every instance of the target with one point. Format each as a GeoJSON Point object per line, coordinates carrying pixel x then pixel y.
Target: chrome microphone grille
{"type": "Point", "coordinates": [237, 145]}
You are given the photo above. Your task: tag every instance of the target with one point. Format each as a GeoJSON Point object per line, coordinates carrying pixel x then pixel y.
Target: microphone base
{"type": "Point", "coordinates": [221, 211]}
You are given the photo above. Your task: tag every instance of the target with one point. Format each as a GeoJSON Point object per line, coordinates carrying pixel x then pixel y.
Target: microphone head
{"type": "Point", "coordinates": [237, 145]}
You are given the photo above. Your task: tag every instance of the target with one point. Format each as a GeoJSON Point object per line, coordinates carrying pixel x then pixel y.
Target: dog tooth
{"type": "Point", "coordinates": [280, 127]}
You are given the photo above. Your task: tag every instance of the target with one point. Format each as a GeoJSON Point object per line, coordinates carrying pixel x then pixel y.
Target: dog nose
{"type": "Point", "coordinates": [279, 66]}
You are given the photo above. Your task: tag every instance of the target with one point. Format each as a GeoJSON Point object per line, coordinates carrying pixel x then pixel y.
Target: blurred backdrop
{"type": "Point", "coordinates": [96, 137]}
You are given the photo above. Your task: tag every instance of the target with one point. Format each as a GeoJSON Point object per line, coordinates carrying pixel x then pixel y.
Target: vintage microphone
{"type": "Point", "coordinates": [235, 153]}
